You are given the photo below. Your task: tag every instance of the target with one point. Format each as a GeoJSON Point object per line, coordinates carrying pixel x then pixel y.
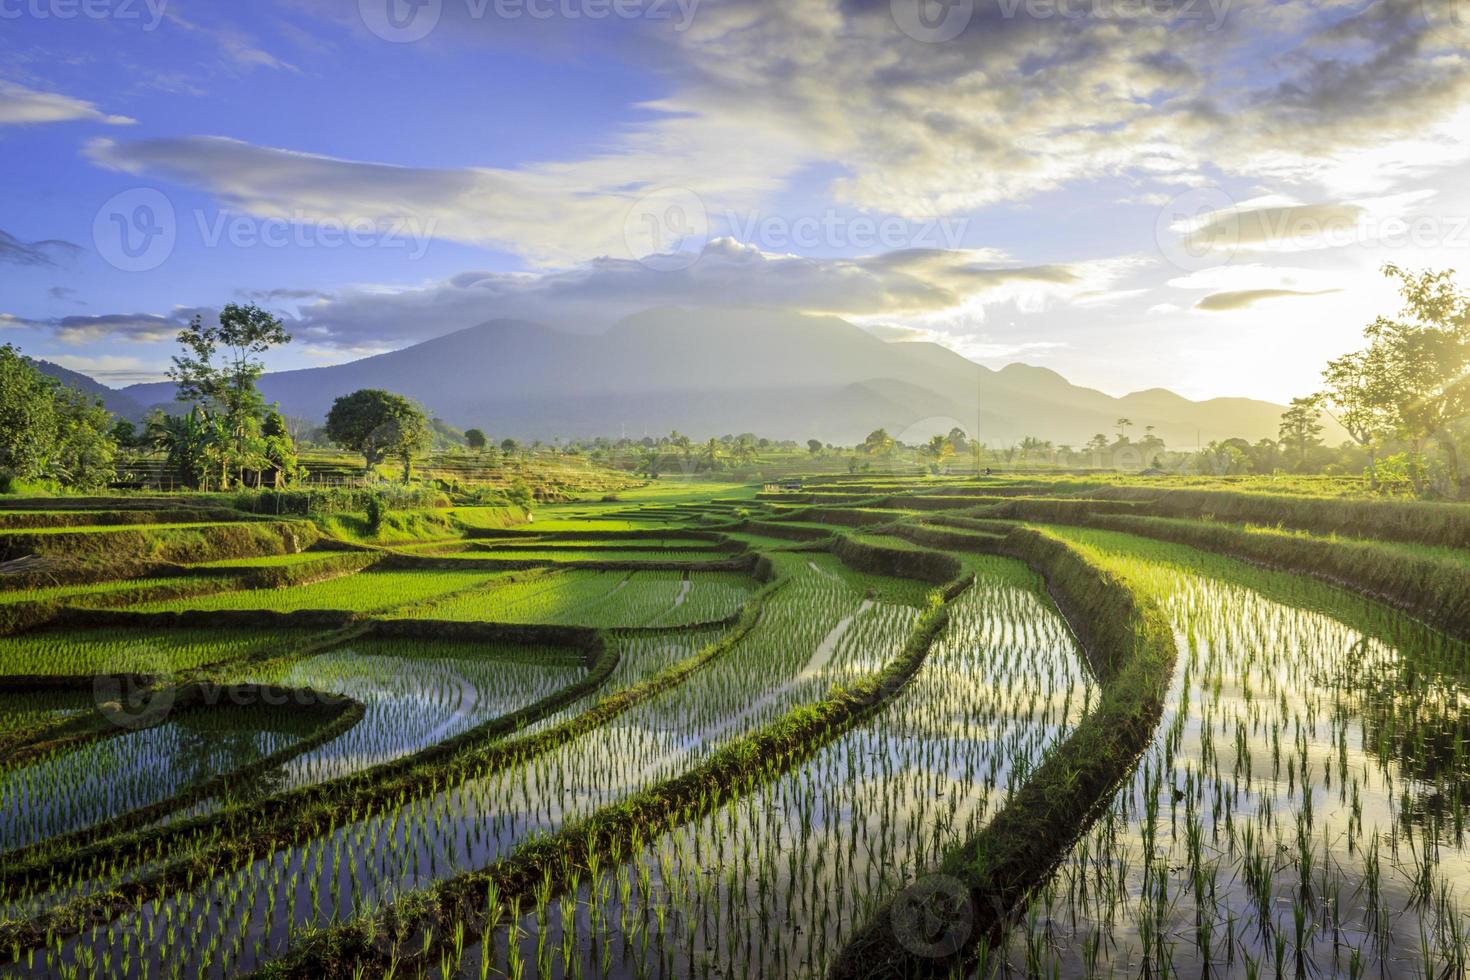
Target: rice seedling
{"type": "Point", "coordinates": [1299, 810]}
{"type": "Point", "coordinates": [365, 592]}
{"type": "Point", "coordinates": [770, 884]}
{"type": "Point", "coordinates": [1309, 736]}
{"type": "Point", "coordinates": [416, 692]}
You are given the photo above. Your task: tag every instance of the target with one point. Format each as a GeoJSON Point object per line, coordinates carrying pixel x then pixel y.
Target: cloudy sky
{"type": "Point", "coordinates": [1196, 194]}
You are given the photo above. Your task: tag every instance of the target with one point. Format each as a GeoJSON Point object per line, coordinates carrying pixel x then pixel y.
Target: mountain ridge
{"type": "Point", "coordinates": [713, 371]}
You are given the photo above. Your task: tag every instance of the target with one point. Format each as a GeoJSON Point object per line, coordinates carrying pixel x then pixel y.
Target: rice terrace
{"type": "Point", "coordinates": [880, 726]}
{"type": "Point", "coordinates": [734, 489]}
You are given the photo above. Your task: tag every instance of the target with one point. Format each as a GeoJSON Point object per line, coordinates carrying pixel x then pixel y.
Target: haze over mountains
{"type": "Point", "coordinates": [715, 371]}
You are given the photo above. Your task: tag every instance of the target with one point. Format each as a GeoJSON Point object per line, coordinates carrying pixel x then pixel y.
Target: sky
{"type": "Point", "coordinates": [1191, 194]}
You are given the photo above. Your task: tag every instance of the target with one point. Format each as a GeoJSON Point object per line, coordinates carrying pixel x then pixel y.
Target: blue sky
{"type": "Point", "coordinates": [1189, 195]}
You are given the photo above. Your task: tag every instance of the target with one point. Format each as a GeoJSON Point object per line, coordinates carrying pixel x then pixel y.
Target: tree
{"type": "Point", "coordinates": [475, 439]}
{"type": "Point", "coordinates": [49, 431]}
{"type": "Point", "coordinates": [85, 451]}
{"type": "Point", "coordinates": [379, 424]}
{"type": "Point", "coordinates": [712, 452]}
{"type": "Point", "coordinates": [1123, 426]}
{"type": "Point", "coordinates": [27, 417]}
{"type": "Point", "coordinates": [938, 449]}
{"type": "Point", "coordinates": [226, 390]}
{"type": "Point", "coordinates": [684, 445]}
{"type": "Point", "coordinates": [125, 434]}
{"type": "Point", "coordinates": [744, 451]}
{"type": "Point", "coordinates": [509, 446]}
{"type": "Point", "coordinates": [814, 446]}
{"type": "Point", "coordinates": [1301, 429]}
{"type": "Point", "coordinates": [280, 450]}
{"type": "Point", "coordinates": [878, 443]}
{"type": "Point", "coordinates": [185, 441]}
{"type": "Point", "coordinates": [960, 441]}
{"type": "Point", "coordinates": [1353, 400]}
{"type": "Point", "coordinates": [1419, 364]}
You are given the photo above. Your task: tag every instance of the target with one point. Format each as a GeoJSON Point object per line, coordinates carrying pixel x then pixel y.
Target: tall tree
{"type": "Point", "coordinates": [1420, 362]}
{"type": "Point", "coordinates": [1301, 429]}
{"type": "Point", "coordinates": [225, 388]}
{"type": "Point", "coordinates": [475, 439]}
{"type": "Point", "coordinates": [1355, 399]}
{"type": "Point", "coordinates": [280, 449]}
{"type": "Point", "coordinates": [938, 450]}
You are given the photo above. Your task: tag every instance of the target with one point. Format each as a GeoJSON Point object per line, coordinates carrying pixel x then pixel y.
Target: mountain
{"type": "Point", "coordinates": [717, 371]}
{"type": "Point", "coordinates": [116, 402]}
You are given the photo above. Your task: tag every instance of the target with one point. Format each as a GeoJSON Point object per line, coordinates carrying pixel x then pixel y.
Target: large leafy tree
{"type": "Point", "coordinates": [218, 371]}
{"type": "Point", "coordinates": [1353, 398]}
{"type": "Point", "coordinates": [1421, 361]}
{"type": "Point", "coordinates": [878, 443]}
{"type": "Point", "coordinates": [379, 425]}
{"type": "Point", "coordinates": [49, 431]}
{"type": "Point", "coordinates": [27, 417]}
{"type": "Point", "coordinates": [86, 451]}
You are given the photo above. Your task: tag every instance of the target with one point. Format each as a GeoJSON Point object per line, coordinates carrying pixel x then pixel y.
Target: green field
{"type": "Point", "coordinates": [1043, 726]}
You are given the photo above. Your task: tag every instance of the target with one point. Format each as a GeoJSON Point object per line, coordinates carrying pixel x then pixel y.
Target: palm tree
{"type": "Point", "coordinates": [712, 450]}
{"type": "Point", "coordinates": [938, 449]}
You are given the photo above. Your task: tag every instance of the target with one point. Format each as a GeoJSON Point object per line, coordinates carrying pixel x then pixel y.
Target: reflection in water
{"type": "Point", "coordinates": [1299, 811]}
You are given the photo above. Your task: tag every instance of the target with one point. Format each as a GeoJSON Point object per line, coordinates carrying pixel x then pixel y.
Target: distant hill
{"type": "Point", "coordinates": [117, 402]}
{"type": "Point", "coordinates": [716, 371]}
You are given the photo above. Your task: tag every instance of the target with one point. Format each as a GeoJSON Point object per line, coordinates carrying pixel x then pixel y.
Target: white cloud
{"type": "Point", "coordinates": [21, 106]}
